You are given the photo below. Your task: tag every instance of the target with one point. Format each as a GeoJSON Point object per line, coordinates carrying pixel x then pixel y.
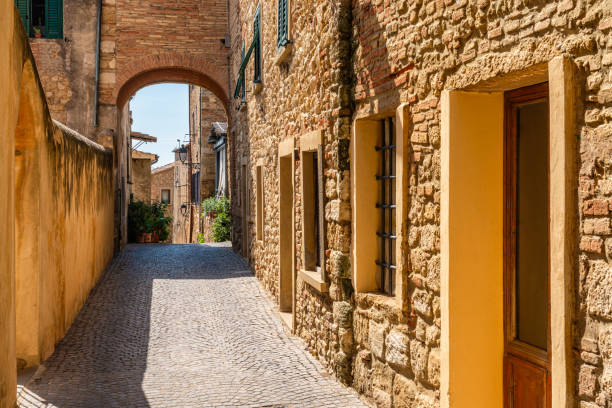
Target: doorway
{"type": "Point", "coordinates": [286, 235]}
{"type": "Point", "coordinates": [244, 201]}
{"type": "Point", "coordinates": [527, 359]}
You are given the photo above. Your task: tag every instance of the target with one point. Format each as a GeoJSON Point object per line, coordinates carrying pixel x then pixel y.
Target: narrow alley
{"type": "Point", "coordinates": [181, 325]}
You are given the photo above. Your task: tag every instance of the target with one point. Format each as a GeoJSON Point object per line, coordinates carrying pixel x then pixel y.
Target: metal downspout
{"type": "Point", "coordinates": [97, 79]}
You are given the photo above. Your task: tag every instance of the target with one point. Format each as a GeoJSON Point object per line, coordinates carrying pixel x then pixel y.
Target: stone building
{"type": "Point", "coordinates": [162, 188]}
{"type": "Point", "coordinates": [141, 175]}
{"type": "Point", "coordinates": [204, 109]}
{"type": "Point", "coordinates": [379, 189]}
{"type": "Point", "coordinates": [67, 57]}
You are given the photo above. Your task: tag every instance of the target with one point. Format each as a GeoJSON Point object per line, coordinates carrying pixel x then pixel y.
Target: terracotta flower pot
{"type": "Point", "coordinates": [155, 237]}
{"type": "Point", "coordinates": [147, 237]}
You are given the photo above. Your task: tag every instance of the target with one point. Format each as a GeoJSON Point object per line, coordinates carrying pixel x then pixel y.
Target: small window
{"type": "Point", "coordinates": [41, 18]}
{"type": "Point", "coordinates": [283, 23]}
{"type": "Point", "coordinates": [312, 211]}
{"type": "Point", "coordinates": [257, 50]}
{"type": "Point", "coordinates": [165, 196]}
{"type": "Point", "coordinates": [260, 202]}
{"type": "Point", "coordinates": [386, 206]}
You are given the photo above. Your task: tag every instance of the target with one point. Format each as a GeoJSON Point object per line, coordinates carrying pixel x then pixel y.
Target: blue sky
{"type": "Point", "coordinates": [162, 111]}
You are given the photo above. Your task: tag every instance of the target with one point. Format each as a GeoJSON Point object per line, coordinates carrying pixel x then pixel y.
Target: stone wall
{"type": "Point", "coordinates": [59, 198]}
{"type": "Point", "coordinates": [307, 92]}
{"type": "Point", "coordinates": [363, 60]}
{"type": "Point", "coordinates": [67, 67]}
{"type": "Point", "coordinates": [162, 178]}
{"type": "Point", "coordinates": [141, 180]}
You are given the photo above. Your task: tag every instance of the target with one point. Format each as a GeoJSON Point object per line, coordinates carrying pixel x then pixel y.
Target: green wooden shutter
{"type": "Point", "coordinates": [24, 9]}
{"type": "Point", "coordinates": [242, 77]}
{"type": "Point", "coordinates": [283, 23]}
{"type": "Point", "coordinates": [257, 41]}
{"type": "Point", "coordinates": [53, 19]}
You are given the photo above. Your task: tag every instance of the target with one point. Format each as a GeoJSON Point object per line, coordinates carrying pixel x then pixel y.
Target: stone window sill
{"type": "Point", "coordinates": [313, 279]}
{"type": "Point", "coordinates": [283, 54]}
{"type": "Point", "coordinates": [380, 301]}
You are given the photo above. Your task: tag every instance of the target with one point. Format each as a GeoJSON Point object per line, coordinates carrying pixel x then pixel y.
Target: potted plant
{"type": "Point", "coordinates": [37, 33]}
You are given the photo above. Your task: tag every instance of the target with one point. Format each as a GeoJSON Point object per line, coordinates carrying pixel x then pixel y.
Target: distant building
{"type": "Point", "coordinates": [141, 175]}
{"type": "Point", "coordinates": [218, 141]}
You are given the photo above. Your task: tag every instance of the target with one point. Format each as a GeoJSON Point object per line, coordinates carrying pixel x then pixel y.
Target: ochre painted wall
{"type": "Point", "coordinates": [57, 215]}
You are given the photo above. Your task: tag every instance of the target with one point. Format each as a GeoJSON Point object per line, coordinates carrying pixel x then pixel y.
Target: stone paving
{"type": "Point", "coordinates": [181, 326]}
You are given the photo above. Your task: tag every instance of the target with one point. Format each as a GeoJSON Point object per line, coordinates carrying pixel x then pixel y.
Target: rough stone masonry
{"type": "Point", "coordinates": [363, 59]}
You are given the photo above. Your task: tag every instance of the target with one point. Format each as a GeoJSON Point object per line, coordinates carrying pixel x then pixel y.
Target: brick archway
{"type": "Point", "coordinates": [153, 69]}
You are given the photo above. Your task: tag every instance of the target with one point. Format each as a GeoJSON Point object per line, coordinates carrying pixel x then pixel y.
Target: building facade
{"type": "Point", "coordinates": [407, 177]}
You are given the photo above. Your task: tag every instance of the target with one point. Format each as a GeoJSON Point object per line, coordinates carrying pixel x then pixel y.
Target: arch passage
{"type": "Point", "coordinates": [171, 68]}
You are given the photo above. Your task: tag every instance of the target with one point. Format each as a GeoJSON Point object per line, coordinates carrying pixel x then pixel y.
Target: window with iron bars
{"type": "Point", "coordinates": [386, 234]}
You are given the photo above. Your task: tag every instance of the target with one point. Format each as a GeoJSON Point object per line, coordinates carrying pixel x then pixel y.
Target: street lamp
{"type": "Point", "coordinates": [183, 153]}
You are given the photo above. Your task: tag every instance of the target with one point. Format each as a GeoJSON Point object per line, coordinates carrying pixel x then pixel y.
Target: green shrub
{"type": "Point", "coordinates": [145, 218]}
{"type": "Point", "coordinates": [221, 227]}
{"type": "Point", "coordinates": [220, 208]}
{"type": "Point", "coordinates": [218, 205]}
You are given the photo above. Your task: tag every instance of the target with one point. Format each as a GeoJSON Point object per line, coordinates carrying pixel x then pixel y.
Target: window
{"type": "Point", "coordinates": [165, 196]}
{"type": "Point", "coordinates": [312, 212]}
{"type": "Point", "coordinates": [260, 202]}
{"type": "Point", "coordinates": [257, 41]}
{"type": "Point", "coordinates": [196, 188]}
{"type": "Point", "coordinates": [378, 203]}
{"type": "Point", "coordinates": [283, 23]}
{"type": "Point", "coordinates": [242, 80]}
{"type": "Point", "coordinates": [41, 18]}
{"type": "Point", "coordinates": [255, 46]}
{"type": "Point", "coordinates": [386, 207]}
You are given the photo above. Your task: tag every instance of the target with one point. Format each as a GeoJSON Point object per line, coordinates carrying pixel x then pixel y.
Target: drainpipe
{"type": "Point", "coordinates": [97, 79]}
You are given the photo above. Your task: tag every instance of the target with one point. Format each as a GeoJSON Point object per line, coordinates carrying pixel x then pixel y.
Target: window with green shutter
{"type": "Point", "coordinates": [254, 48]}
{"type": "Point", "coordinates": [283, 23]}
{"type": "Point", "coordinates": [53, 19]}
{"type": "Point", "coordinates": [24, 9]}
{"type": "Point", "coordinates": [243, 81]}
{"type": "Point", "coordinates": [41, 18]}
{"type": "Point", "coordinates": [257, 41]}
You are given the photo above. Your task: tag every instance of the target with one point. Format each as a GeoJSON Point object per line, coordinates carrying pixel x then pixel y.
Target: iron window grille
{"type": "Point", "coordinates": [386, 234]}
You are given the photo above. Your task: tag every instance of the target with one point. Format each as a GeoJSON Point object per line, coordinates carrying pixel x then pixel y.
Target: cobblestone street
{"type": "Point", "coordinates": [181, 326]}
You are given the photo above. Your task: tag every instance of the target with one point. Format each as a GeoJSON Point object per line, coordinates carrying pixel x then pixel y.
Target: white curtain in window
{"type": "Point", "coordinates": [221, 190]}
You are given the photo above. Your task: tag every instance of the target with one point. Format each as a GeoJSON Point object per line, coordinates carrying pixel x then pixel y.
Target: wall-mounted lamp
{"type": "Point", "coordinates": [184, 209]}
{"type": "Point", "coordinates": [183, 153]}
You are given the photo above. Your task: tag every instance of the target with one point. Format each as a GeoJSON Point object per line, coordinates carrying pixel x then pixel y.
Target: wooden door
{"type": "Point", "coordinates": [526, 260]}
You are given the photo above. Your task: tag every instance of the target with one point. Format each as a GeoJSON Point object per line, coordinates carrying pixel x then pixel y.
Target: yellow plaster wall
{"type": "Point", "coordinates": [472, 250]}
{"type": "Point", "coordinates": [11, 48]}
{"type": "Point", "coordinates": [56, 212]}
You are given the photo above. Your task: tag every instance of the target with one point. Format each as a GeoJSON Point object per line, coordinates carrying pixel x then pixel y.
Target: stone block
{"type": "Point", "coordinates": [376, 337]}
{"type": "Point", "coordinates": [599, 287]}
{"type": "Point", "coordinates": [587, 381]}
{"type": "Point", "coordinates": [421, 303]}
{"type": "Point", "coordinates": [382, 376]}
{"type": "Point", "coordinates": [418, 359]}
{"type": "Point", "coordinates": [397, 349]}
{"type": "Point", "coordinates": [433, 368]}
{"type": "Point", "coordinates": [338, 211]}
{"type": "Point", "coordinates": [404, 392]}
{"type": "Point", "coordinates": [340, 264]}
{"type": "Point", "coordinates": [343, 314]}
